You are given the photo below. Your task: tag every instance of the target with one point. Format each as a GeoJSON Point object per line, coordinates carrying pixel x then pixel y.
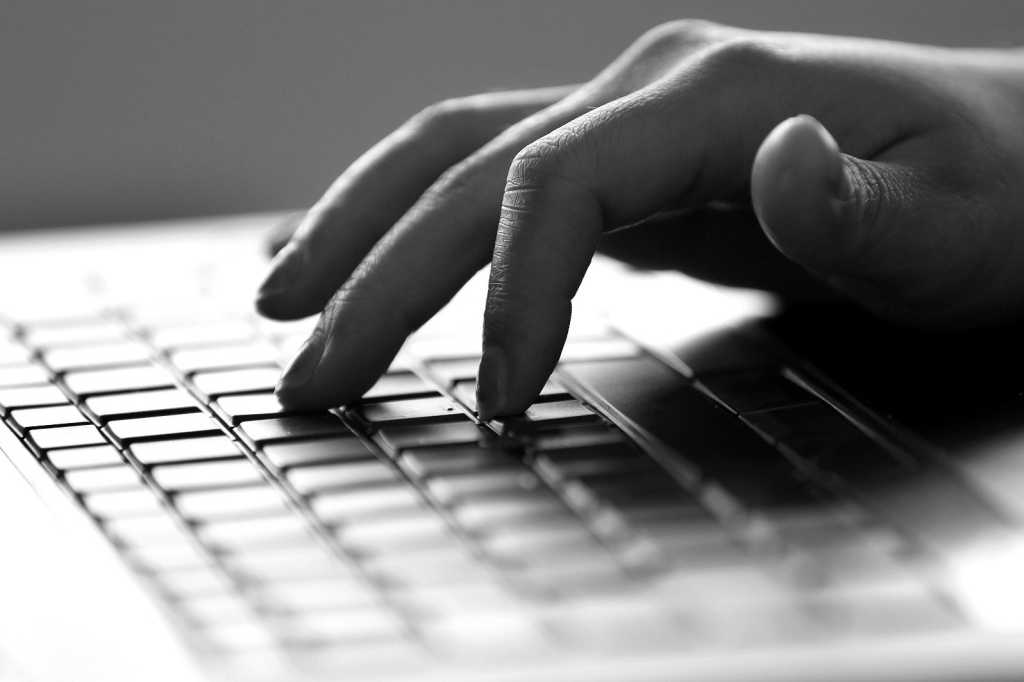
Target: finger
{"type": "Point", "coordinates": [681, 142]}
{"type": "Point", "coordinates": [280, 234]}
{"type": "Point", "coordinates": [877, 230]}
{"type": "Point", "coordinates": [723, 245]}
{"type": "Point", "coordinates": [374, 192]}
{"type": "Point", "coordinates": [411, 272]}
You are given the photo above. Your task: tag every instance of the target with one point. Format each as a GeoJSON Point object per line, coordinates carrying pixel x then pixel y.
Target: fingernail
{"type": "Point", "coordinates": [284, 272]}
{"type": "Point", "coordinates": [492, 382]}
{"type": "Point", "coordinates": [834, 166]}
{"type": "Point", "coordinates": [302, 367]}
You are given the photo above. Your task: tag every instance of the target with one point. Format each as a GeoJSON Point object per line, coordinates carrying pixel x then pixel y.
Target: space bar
{"type": "Point", "coordinates": [663, 404]}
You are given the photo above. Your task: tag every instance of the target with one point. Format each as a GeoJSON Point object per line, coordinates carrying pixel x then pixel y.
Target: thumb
{"type": "Point", "coordinates": [856, 224]}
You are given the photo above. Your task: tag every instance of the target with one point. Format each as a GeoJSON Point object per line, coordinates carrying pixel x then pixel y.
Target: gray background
{"type": "Point", "coordinates": [132, 109]}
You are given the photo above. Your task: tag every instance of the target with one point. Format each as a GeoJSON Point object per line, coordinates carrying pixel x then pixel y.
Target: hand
{"type": "Point", "coordinates": [919, 220]}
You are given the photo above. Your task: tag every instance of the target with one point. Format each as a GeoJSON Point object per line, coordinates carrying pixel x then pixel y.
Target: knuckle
{"type": "Point", "coordinates": [540, 162]}
{"type": "Point", "coordinates": [741, 57]}
{"type": "Point", "coordinates": [677, 33]}
{"type": "Point", "coordinates": [446, 118]}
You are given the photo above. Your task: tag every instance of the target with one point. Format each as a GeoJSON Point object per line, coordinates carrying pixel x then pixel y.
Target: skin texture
{"type": "Point", "coordinates": [811, 166]}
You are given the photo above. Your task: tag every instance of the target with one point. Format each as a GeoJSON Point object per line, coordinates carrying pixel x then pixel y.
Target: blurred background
{"type": "Point", "coordinates": [134, 109]}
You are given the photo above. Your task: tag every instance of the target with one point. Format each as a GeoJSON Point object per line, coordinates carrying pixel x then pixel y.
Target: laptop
{"type": "Point", "coordinates": [708, 488]}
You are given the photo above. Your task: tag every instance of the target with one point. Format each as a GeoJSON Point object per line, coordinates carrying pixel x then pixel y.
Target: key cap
{"type": "Point", "coordinates": [318, 478]}
{"type": "Point", "coordinates": [399, 384]}
{"type": "Point", "coordinates": [215, 474]}
{"type": "Point", "coordinates": [223, 357]}
{"type": "Point", "coordinates": [577, 437]}
{"type": "Point", "coordinates": [465, 391]}
{"type": "Point", "coordinates": [751, 390]}
{"type": "Point", "coordinates": [149, 428]}
{"type": "Point", "coordinates": [239, 408]}
{"type": "Point", "coordinates": [66, 436]}
{"type": "Point", "coordinates": [105, 355]}
{"type": "Point", "coordinates": [122, 503]}
{"type": "Point", "coordinates": [31, 417]}
{"type": "Point", "coordinates": [23, 375]}
{"type": "Point", "coordinates": [116, 477]}
{"type": "Point", "coordinates": [451, 489]}
{"type": "Point", "coordinates": [560, 411]}
{"type": "Point", "coordinates": [480, 514]}
{"type": "Point", "coordinates": [183, 583]}
{"type": "Point", "coordinates": [334, 592]}
{"type": "Point", "coordinates": [599, 349]}
{"type": "Point", "coordinates": [83, 332]}
{"type": "Point", "coordinates": [185, 449]}
{"type": "Point", "coordinates": [339, 448]}
{"type": "Point", "coordinates": [449, 564]}
{"type": "Point", "coordinates": [120, 380]}
{"type": "Point", "coordinates": [32, 396]}
{"type": "Point", "coordinates": [203, 334]}
{"type": "Point", "coordinates": [560, 465]}
{"type": "Point", "coordinates": [230, 502]}
{"type": "Point", "coordinates": [226, 382]}
{"type": "Point", "coordinates": [14, 354]}
{"type": "Point", "coordinates": [246, 534]}
{"type": "Point", "coordinates": [167, 557]}
{"type": "Point", "coordinates": [406, 531]}
{"type": "Point", "coordinates": [365, 625]}
{"type": "Point", "coordinates": [286, 428]}
{"type": "Point", "coordinates": [90, 456]}
{"type": "Point", "coordinates": [140, 403]}
{"type": "Point", "coordinates": [154, 530]}
{"type": "Point", "coordinates": [400, 437]}
{"type": "Point", "coordinates": [523, 544]}
{"type": "Point", "coordinates": [344, 505]}
{"type": "Point", "coordinates": [451, 372]}
{"type": "Point", "coordinates": [290, 562]}
{"type": "Point", "coordinates": [411, 410]}
{"type": "Point", "coordinates": [440, 461]}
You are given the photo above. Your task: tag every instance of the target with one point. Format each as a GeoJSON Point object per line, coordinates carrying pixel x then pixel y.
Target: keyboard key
{"type": "Point", "coordinates": [406, 531]}
{"type": "Point", "coordinates": [747, 391]}
{"type": "Point", "coordinates": [400, 437]}
{"type": "Point", "coordinates": [238, 408]}
{"type": "Point", "coordinates": [202, 334]}
{"type": "Point", "coordinates": [349, 504]}
{"type": "Point", "coordinates": [454, 488]}
{"type": "Point", "coordinates": [154, 530]}
{"type": "Point", "coordinates": [435, 408]}
{"type": "Point", "coordinates": [120, 380]}
{"type": "Point", "coordinates": [215, 474]}
{"type": "Point", "coordinates": [465, 391]}
{"type": "Point", "coordinates": [185, 449]}
{"type": "Point", "coordinates": [560, 411]}
{"type": "Point", "coordinates": [222, 357]}
{"type": "Point", "coordinates": [441, 461]}
{"type": "Point", "coordinates": [116, 477]}
{"type": "Point", "coordinates": [321, 477]}
{"type": "Point", "coordinates": [122, 503]}
{"type": "Point", "coordinates": [105, 355]}
{"type": "Point", "coordinates": [399, 384]}
{"type": "Point", "coordinates": [340, 448]}
{"type": "Point", "coordinates": [32, 396]}
{"type": "Point", "coordinates": [230, 502]}
{"type": "Point", "coordinates": [599, 349]}
{"type": "Point", "coordinates": [247, 534]}
{"type": "Point", "coordinates": [31, 417]}
{"type": "Point", "coordinates": [523, 544]}
{"type": "Point", "coordinates": [14, 354]}
{"type": "Point", "coordinates": [482, 513]}
{"type": "Point", "coordinates": [363, 625]}
{"type": "Point", "coordinates": [287, 428]}
{"type": "Point", "coordinates": [451, 372]}
{"type": "Point", "coordinates": [189, 582]}
{"type": "Point", "coordinates": [331, 592]}
{"type": "Point", "coordinates": [148, 428]}
{"type": "Point", "coordinates": [81, 332]}
{"type": "Point", "coordinates": [162, 556]}
{"type": "Point", "coordinates": [577, 437]}
{"type": "Point", "coordinates": [558, 465]}
{"type": "Point", "coordinates": [226, 382]}
{"type": "Point", "coordinates": [140, 403]}
{"type": "Point", "coordinates": [23, 375]}
{"type": "Point", "coordinates": [66, 436]}
{"type": "Point", "coordinates": [292, 562]}
{"type": "Point", "coordinates": [77, 458]}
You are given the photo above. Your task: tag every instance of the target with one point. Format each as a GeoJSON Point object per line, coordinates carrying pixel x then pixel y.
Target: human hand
{"type": "Point", "coordinates": [918, 220]}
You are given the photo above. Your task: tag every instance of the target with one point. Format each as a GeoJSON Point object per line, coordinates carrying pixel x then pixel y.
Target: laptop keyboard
{"type": "Point", "coordinates": [402, 529]}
